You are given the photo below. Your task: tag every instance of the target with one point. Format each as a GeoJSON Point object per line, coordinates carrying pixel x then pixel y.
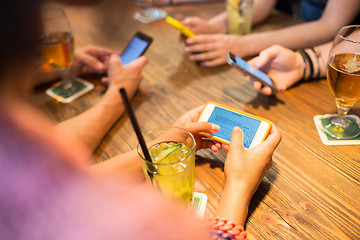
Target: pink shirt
{"type": "Point", "coordinates": [46, 193]}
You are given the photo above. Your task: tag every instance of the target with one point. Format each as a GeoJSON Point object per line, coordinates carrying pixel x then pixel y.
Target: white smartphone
{"type": "Point", "coordinates": [253, 72]}
{"type": "Point", "coordinates": [255, 129]}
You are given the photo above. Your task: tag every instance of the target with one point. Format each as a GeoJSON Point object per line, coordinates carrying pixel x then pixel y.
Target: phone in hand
{"type": "Point", "coordinates": [253, 72]}
{"type": "Point", "coordinates": [255, 129]}
{"type": "Point", "coordinates": [136, 48]}
{"type": "Point", "coordinates": [179, 26]}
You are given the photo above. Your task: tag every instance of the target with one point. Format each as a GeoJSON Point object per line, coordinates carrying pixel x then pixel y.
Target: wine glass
{"type": "Point", "coordinates": [57, 46]}
{"type": "Point", "coordinates": [343, 76]}
{"type": "Point", "coordinates": [150, 13]}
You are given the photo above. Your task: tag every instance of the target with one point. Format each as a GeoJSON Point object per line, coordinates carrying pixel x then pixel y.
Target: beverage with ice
{"type": "Point", "coordinates": [172, 165]}
{"type": "Point", "coordinates": [239, 16]}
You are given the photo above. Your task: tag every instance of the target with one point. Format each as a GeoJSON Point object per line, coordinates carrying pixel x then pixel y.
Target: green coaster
{"type": "Point", "coordinates": [79, 88]}
{"type": "Point", "coordinates": [326, 121]}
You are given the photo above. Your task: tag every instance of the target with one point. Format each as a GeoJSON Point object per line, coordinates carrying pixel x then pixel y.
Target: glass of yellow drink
{"type": "Point", "coordinates": [343, 76]}
{"type": "Point", "coordinates": [172, 165]}
{"type": "Point", "coordinates": [239, 16]}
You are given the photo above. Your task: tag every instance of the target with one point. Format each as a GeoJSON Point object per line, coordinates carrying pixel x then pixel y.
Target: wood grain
{"type": "Point", "coordinates": [312, 190]}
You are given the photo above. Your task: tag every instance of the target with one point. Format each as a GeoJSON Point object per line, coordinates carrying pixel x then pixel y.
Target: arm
{"type": "Point", "coordinates": [218, 24]}
{"type": "Point", "coordinates": [214, 47]}
{"type": "Point", "coordinates": [92, 125]}
{"type": "Point", "coordinates": [244, 171]}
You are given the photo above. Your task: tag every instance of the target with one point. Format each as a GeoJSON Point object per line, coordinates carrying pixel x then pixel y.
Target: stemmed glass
{"type": "Point", "coordinates": [343, 76]}
{"type": "Point", "coordinates": [58, 49]}
{"type": "Point", "coordinates": [150, 13]}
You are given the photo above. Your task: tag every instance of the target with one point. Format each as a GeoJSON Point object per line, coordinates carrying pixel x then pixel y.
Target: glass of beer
{"type": "Point", "coordinates": [343, 76]}
{"type": "Point", "coordinates": [57, 47]}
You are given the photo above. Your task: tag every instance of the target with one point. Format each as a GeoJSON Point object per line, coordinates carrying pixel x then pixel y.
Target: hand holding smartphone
{"type": "Point", "coordinates": [253, 72]}
{"type": "Point", "coordinates": [136, 48]}
{"type": "Point", "coordinates": [255, 129]}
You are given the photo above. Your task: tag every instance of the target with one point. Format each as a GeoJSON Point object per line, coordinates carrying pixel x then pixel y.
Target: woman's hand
{"type": "Point", "coordinates": [124, 76]}
{"type": "Point", "coordinates": [284, 66]}
{"type": "Point", "coordinates": [198, 25]}
{"type": "Point", "coordinates": [91, 59]}
{"type": "Point", "coordinates": [211, 49]}
{"type": "Point", "coordinates": [189, 122]}
{"type": "Point", "coordinates": [247, 167]}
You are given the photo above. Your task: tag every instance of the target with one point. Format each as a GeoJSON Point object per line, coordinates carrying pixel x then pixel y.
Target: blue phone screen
{"type": "Point", "coordinates": [254, 71]}
{"type": "Point", "coordinates": [134, 50]}
{"type": "Point", "coordinates": [227, 120]}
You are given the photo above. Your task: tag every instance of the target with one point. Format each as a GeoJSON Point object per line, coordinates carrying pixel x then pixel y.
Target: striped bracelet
{"type": "Point", "coordinates": [225, 229]}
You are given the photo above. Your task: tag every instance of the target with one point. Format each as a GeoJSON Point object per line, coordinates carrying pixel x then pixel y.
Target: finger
{"type": "Point", "coordinates": [253, 61]}
{"type": "Point", "coordinates": [213, 63]}
{"type": "Point", "coordinates": [204, 56]}
{"type": "Point", "coordinates": [139, 63]}
{"type": "Point", "coordinates": [196, 127]}
{"type": "Point", "coordinates": [92, 63]}
{"type": "Point", "coordinates": [201, 39]}
{"type": "Point", "coordinates": [273, 139]}
{"type": "Point", "coordinates": [200, 47]}
{"type": "Point", "coordinates": [266, 91]}
{"type": "Point", "coordinates": [99, 51]}
{"type": "Point", "coordinates": [267, 55]}
{"type": "Point", "coordinates": [237, 139]}
{"type": "Point", "coordinates": [226, 147]}
{"type": "Point", "coordinates": [105, 80]}
{"type": "Point", "coordinates": [257, 85]}
{"type": "Point", "coordinates": [209, 144]}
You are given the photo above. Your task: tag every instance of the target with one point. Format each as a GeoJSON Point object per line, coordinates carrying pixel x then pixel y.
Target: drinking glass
{"type": "Point", "coordinates": [171, 170]}
{"type": "Point", "coordinates": [239, 16]}
{"type": "Point", "coordinates": [57, 46]}
{"type": "Point", "coordinates": [343, 76]}
{"type": "Point", "coordinates": [150, 13]}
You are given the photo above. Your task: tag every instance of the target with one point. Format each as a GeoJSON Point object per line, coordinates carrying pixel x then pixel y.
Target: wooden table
{"type": "Point", "coordinates": [312, 190]}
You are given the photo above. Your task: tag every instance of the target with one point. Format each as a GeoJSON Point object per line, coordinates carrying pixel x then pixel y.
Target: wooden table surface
{"type": "Point", "coordinates": [311, 192]}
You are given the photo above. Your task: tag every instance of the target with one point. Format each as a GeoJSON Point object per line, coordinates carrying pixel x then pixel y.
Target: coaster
{"type": "Point", "coordinates": [156, 14]}
{"type": "Point", "coordinates": [80, 87]}
{"type": "Point", "coordinates": [327, 140]}
{"type": "Point", "coordinates": [200, 200]}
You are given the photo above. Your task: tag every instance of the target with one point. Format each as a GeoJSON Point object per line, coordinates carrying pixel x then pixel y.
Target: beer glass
{"type": "Point", "coordinates": [57, 46]}
{"type": "Point", "coordinates": [343, 76]}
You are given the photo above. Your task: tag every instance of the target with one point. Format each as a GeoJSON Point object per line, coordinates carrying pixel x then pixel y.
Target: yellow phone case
{"type": "Point", "coordinates": [179, 26]}
{"type": "Point", "coordinates": [237, 111]}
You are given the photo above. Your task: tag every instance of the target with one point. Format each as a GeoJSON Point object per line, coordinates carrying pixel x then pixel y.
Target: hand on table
{"type": "Point", "coordinates": [91, 59]}
{"type": "Point", "coordinates": [211, 48]}
{"type": "Point", "coordinates": [247, 167]}
{"type": "Point", "coordinates": [284, 66]}
{"type": "Point", "coordinates": [189, 122]}
{"type": "Point", "coordinates": [124, 76]}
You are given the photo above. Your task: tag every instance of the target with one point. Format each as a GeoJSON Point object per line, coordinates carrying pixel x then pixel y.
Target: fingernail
{"type": "Point", "coordinates": [215, 127]}
{"type": "Point", "coordinates": [191, 57]}
{"type": "Point", "coordinates": [186, 49]}
{"type": "Point", "coordinates": [236, 128]}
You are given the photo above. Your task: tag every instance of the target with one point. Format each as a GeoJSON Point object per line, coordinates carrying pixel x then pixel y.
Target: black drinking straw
{"type": "Point", "coordinates": [135, 124]}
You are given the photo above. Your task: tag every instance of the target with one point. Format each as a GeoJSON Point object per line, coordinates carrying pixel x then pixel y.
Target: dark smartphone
{"type": "Point", "coordinates": [253, 72]}
{"type": "Point", "coordinates": [136, 47]}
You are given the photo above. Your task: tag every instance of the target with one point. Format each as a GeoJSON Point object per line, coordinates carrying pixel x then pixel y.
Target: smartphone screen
{"type": "Point", "coordinates": [227, 120]}
{"type": "Point", "coordinates": [252, 70]}
{"type": "Point", "coordinates": [135, 49]}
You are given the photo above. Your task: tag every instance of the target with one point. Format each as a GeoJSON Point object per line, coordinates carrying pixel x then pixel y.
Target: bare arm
{"type": "Point", "coordinates": [92, 125]}
{"type": "Point", "coordinates": [337, 14]}
{"type": "Point", "coordinates": [213, 47]}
